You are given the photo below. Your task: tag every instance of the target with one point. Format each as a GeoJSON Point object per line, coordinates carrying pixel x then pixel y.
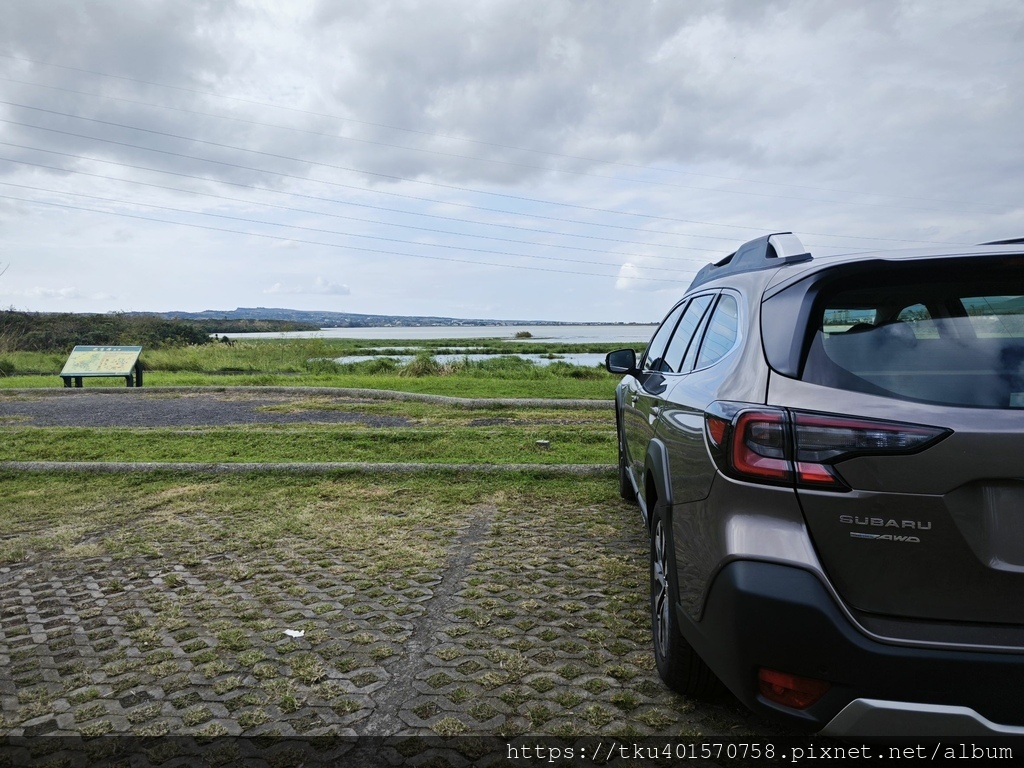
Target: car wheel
{"type": "Point", "coordinates": [626, 490]}
{"type": "Point", "coordinates": [678, 664]}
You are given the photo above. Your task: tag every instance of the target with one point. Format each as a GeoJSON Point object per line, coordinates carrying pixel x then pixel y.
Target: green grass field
{"type": "Point", "coordinates": [601, 387]}
{"type": "Point", "coordinates": [310, 362]}
{"type": "Point", "coordinates": [431, 433]}
{"type": "Point", "coordinates": [590, 444]}
{"type": "Point", "coordinates": [66, 516]}
{"type": "Point", "coordinates": [525, 592]}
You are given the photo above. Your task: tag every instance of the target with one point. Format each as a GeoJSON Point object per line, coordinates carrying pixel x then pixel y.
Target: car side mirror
{"type": "Point", "coordinates": [621, 361]}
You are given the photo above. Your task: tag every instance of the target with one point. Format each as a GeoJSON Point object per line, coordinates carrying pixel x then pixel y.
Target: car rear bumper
{"type": "Point", "coordinates": [761, 614]}
{"type": "Point", "coordinates": [881, 720]}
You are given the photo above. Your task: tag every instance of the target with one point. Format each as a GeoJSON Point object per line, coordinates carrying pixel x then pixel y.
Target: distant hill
{"type": "Point", "coordinates": [343, 319]}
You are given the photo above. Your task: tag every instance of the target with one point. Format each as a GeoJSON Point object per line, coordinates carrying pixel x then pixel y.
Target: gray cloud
{"type": "Point", "coordinates": [504, 154]}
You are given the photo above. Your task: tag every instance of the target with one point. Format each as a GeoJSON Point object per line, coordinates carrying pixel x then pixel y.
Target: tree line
{"type": "Point", "coordinates": [60, 332]}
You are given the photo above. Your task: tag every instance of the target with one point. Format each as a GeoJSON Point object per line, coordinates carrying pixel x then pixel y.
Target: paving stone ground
{"type": "Point", "coordinates": [532, 627]}
{"type": "Point", "coordinates": [536, 626]}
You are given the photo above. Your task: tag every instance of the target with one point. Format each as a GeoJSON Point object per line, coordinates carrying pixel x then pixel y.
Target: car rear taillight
{"type": "Point", "coordinates": [760, 446]}
{"type": "Point", "coordinates": [780, 446]}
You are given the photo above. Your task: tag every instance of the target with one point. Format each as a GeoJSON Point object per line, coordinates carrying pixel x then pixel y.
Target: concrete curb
{"type": "Point", "coordinates": [313, 468]}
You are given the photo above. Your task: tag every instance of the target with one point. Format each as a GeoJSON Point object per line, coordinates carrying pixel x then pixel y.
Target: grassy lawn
{"type": "Point", "coordinates": [310, 362]}
{"type": "Point", "coordinates": [456, 608]}
{"type": "Point", "coordinates": [432, 433]}
{"type": "Point", "coordinates": [183, 517]}
{"type": "Point", "coordinates": [278, 606]}
{"type": "Point", "coordinates": [601, 387]}
{"type": "Point", "coordinates": [275, 443]}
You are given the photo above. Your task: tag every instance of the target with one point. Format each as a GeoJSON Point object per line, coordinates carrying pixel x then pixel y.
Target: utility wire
{"type": "Point", "coordinates": [430, 134]}
{"type": "Point", "coordinates": [436, 201]}
{"type": "Point", "coordinates": [303, 228]}
{"type": "Point", "coordinates": [454, 187]}
{"type": "Point", "coordinates": [476, 158]}
{"type": "Point", "coordinates": [391, 194]}
{"type": "Point", "coordinates": [324, 244]}
{"type": "Point", "coordinates": [364, 189]}
{"type": "Point", "coordinates": [343, 202]}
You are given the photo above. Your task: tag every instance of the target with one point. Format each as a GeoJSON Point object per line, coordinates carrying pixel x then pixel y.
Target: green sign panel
{"type": "Point", "coordinates": [103, 361]}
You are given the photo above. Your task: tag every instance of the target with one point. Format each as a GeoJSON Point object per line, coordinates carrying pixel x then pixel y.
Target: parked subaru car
{"type": "Point", "coordinates": [828, 453]}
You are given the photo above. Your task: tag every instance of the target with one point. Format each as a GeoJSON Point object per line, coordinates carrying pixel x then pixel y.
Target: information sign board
{"type": "Point", "coordinates": [103, 361]}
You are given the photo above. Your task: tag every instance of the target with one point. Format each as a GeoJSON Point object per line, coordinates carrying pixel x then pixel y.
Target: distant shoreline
{"type": "Point", "coordinates": [324, 319]}
{"type": "Point", "coordinates": [578, 333]}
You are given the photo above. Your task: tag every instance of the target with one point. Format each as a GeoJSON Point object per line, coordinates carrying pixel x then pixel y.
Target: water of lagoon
{"type": "Point", "coordinates": [627, 335]}
{"type": "Point", "coordinates": [541, 334]}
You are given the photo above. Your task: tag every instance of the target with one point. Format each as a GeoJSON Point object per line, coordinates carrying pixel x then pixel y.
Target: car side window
{"type": "Point", "coordinates": [655, 354]}
{"type": "Point", "coordinates": [722, 332]}
{"type": "Point", "coordinates": [685, 335]}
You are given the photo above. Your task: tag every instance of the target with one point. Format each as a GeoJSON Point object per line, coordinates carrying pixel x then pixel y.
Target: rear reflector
{"type": "Point", "coordinates": [790, 690]}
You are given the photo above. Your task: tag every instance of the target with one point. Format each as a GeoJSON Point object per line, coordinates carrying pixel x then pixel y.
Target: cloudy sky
{"type": "Point", "coordinates": [513, 159]}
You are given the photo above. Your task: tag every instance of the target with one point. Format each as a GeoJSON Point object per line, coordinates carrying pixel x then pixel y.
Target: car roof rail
{"type": "Point", "coordinates": [1010, 241]}
{"type": "Point", "coordinates": [765, 252]}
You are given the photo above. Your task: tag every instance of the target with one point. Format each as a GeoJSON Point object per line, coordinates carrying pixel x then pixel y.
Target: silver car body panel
{"type": "Point", "coordinates": [939, 531]}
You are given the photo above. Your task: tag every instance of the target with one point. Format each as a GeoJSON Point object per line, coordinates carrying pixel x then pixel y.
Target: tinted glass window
{"type": "Point", "coordinates": [955, 338]}
{"type": "Point", "coordinates": [683, 338]}
{"type": "Point", "coordinates": [655, 354]}
{"type": "Point", "coordinates": [722, 332]}
{"type": "Point", "coordinates": [995, 317]}
{"type": "Point", "coordinates": [855, 319]}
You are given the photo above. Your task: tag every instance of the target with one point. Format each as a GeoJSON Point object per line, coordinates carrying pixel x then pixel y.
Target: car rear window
{"type": "Point", "coordinates": [932, 334]}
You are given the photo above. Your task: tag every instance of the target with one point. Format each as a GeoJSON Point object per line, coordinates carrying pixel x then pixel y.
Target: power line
{"type": "Point", "coordinates": [413, 197]}
{"type": "Point", "coordinates": [493, 161]}
{"type": "Point", "coordinates": [324, 244]}
{"type": "Point", "coordinates": [379, 192]}
{"type": "Point", "coordinates": [454, 187]}
{"type": "Point", "coordinates": [364, 189]}
{"type": "Point", "coordinates": [328, 231]}
{"type": "Point", "coordinates": [341, 216]}
{"type": "Point", "coordinates": [430, 134]}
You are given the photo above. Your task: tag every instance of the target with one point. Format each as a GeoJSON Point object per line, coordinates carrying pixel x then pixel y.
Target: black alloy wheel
{"type": "Point", "coordinates": [678, 664]}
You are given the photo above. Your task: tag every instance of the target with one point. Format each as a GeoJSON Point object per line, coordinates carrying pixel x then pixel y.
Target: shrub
{"type": "Point", "coordinates": [45, 332]}
{"type": "Point", "coordinates": [423, 364]}
{"type": "Point", "coordinates": [322, 366]}
{"type": "Point", "coordinates": [380, 365]}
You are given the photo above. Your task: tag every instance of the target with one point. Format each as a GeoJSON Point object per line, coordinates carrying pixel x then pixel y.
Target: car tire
{"type": "Point", "coordinates": [626, 490]}
{"type": "Point", "coordinates": [678, 664]}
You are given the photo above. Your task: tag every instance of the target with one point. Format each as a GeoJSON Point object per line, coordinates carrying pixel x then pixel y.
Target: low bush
{"type": "Point", "coordinates": [45, 332]}
{"type": "Point", "coordinates": [423, 364]}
